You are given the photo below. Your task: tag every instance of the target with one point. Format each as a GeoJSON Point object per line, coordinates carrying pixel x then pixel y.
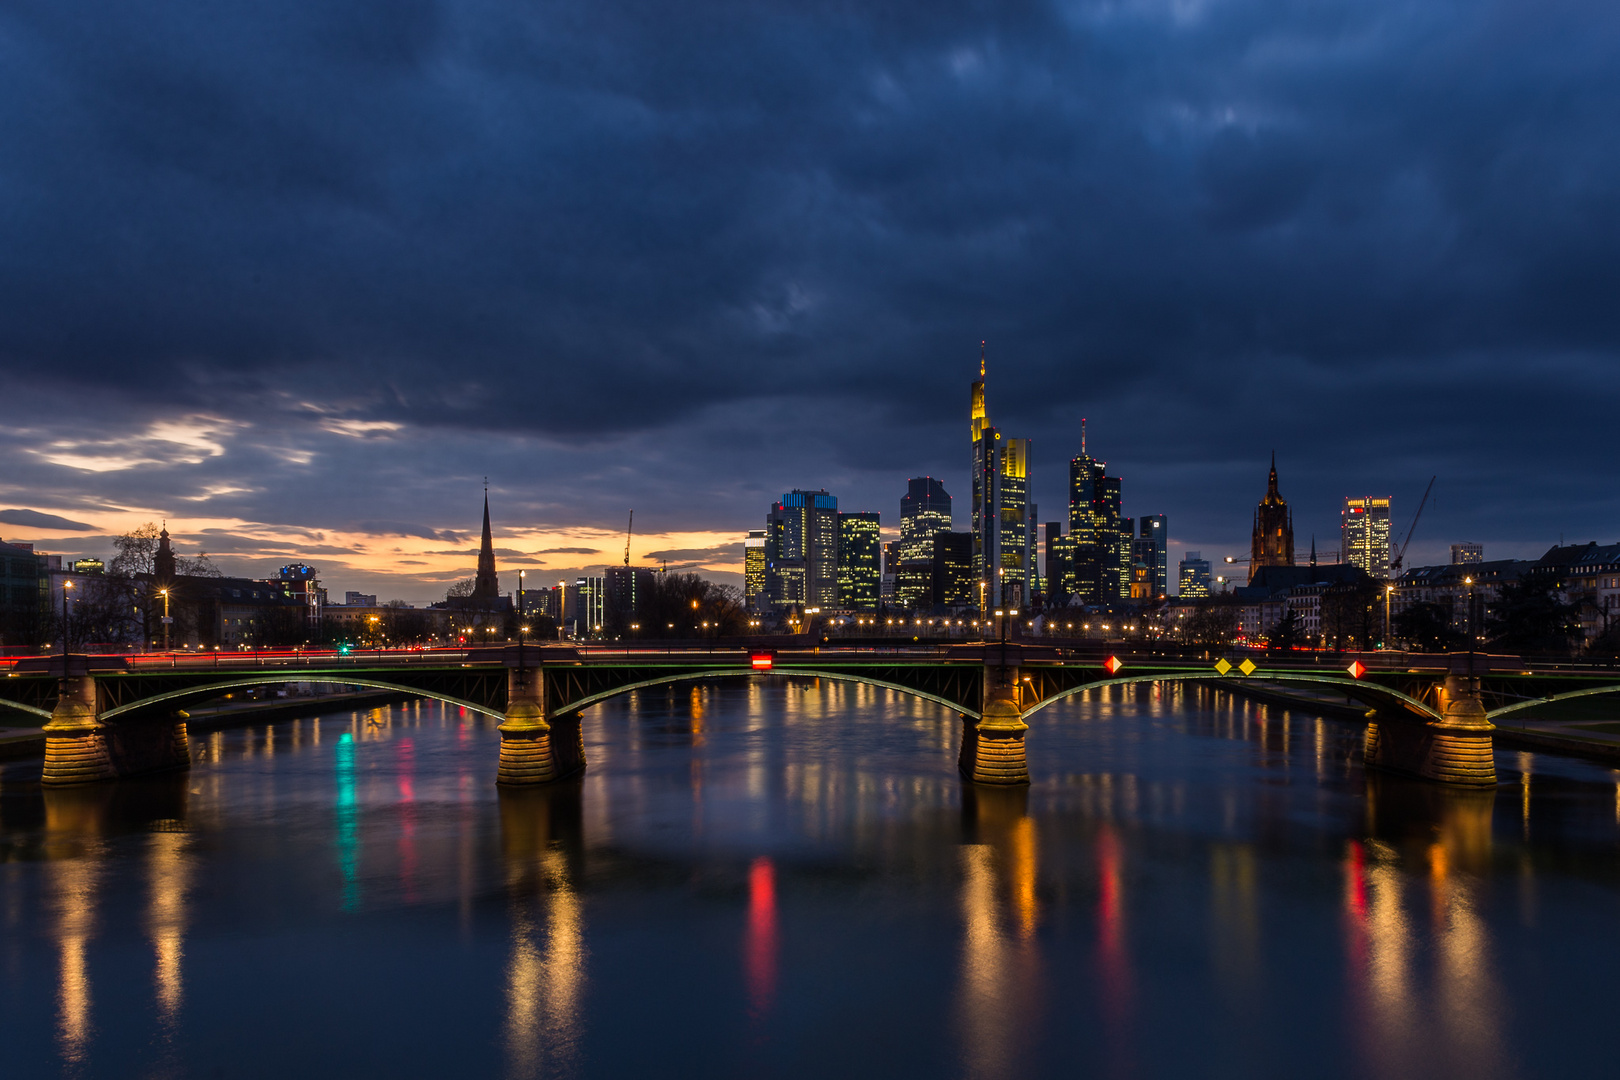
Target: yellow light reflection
{"type": "Point", "coordinates": [170, 879]}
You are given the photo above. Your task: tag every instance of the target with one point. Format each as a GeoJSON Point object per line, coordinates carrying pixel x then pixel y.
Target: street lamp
{"type": "Point", "coordinates": [166, 620]}
{"type": "Point", "coordinates": [521, 612]}
{"type": "Point", "coordinates": [67, 585]}
{"type": "Point", "coordinates": [1389, 590]}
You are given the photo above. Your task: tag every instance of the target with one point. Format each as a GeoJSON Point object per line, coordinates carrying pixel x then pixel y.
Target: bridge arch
{"type": "Point", "coordinates": [789, 673]}
{"type": "Point", "coordinates": [1565, 696]}
{"type": "Point", "coordinates": [32, 710]}
{"type": "Point", "coordinates": [269, 679]}
{"type": "Point", "coordinates": [1217, 681]}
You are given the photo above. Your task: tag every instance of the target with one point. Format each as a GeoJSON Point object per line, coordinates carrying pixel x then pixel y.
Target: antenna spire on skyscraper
{"type": "Point", "coordinates": [1082, 436]}
{"type": "Point", "coordinates": [981, 359]}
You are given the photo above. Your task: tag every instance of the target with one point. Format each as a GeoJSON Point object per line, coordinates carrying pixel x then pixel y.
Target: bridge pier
{"type": "Point", "coordinates": [1456, 749]}
{"type": "Point", "coordinates": [81, 748]}
{"type": "Point", "coordinates": [533, 749]}
{"type": "Point", "coordinates": [993, 745]}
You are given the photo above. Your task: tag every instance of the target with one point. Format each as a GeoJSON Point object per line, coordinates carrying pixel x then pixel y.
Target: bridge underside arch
{"type": "Point", "coordinates": [1217, 682]}
{"type": "Point", "coordinates": [248, 682]}
{"type": "Point", "coordinates": [794, 673]}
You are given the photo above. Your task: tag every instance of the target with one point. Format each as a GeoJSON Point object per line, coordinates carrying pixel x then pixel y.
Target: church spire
{"type": "Point", "coordinates": [486, 586]}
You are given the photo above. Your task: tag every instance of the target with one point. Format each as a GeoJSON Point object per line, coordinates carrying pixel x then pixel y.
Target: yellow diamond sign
{"type": "Point", "coordinates": [1247, 667]}
{"type": "Point", "coordinates": [1222, 667]}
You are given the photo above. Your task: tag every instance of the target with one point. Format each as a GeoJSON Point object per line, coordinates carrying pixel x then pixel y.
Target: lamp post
{"type": "Point", "coordinates": [166, 620]}
{"type": "Point", "coordinates": [67, 586]}
{"type": "Point", "coordinates": [1469, 581]}
{"type": "Point", "coordinates": [1389, 590]}
{"type": "Point", "coordinates": [521, 612]}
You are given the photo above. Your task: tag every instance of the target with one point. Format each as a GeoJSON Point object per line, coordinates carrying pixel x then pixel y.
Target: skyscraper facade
{"type": "Point", "coordinates": [1364, 535]}
{"type": "Point", "coordinates": [925, 511]}
{"type": "Point", "coordinates": [1273, 541]}
{"type": "Point", "coordinates": [1101, 568]}
{"type": "Point", "coordinates": [754, 570]}
{"type": "Point", "coordinates": [1194, 576]}
{"type": "Point", "coordinates": [1060, 583]}
{"type": "Point", "coordinates": [1466, 553]}
{"type": "Point", "coordinates": [1000, 520]}
{"type": "Point", "coordinates": [801, 551]}
{"type": "Point", "coordinates": [860, 560]}
{"type": "Point", "coordinates": [954, 585]}
{"type": "Point", "coordinates": [1153, 548]}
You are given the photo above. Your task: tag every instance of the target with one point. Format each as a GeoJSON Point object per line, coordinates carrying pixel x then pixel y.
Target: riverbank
{"type": "Point", "coordinates": [18, 743]}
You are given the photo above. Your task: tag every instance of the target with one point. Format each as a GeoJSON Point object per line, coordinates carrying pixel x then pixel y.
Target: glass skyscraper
{"type": "Point", "coordinates": [1365, 534]}
{"type": "Point", "coordinates": [860, 560]}
{"type": "Point", "coordinates": [925, 512]}
{"type": "Point", "coordinates": [801, 551]}
{"type": "Point", "coordinates": [1000, 521]}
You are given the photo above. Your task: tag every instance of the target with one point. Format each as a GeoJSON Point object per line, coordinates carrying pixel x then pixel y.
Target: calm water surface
{"type": "Point", "coordinates": [788, 879]}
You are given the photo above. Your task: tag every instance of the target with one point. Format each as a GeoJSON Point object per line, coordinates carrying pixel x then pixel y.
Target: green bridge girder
{"type": "Point", "coordinates": [951, 682]}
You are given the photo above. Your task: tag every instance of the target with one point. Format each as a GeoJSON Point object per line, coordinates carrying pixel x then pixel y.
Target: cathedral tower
{"type": "Point", "coordinates": [1273, 528]}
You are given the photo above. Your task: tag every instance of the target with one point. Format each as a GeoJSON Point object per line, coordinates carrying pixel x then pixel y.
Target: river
{"type": "Point", "coordinates": [788, 878]}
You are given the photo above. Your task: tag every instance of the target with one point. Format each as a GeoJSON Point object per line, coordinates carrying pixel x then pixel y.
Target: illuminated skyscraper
{"type": "Point", "coordinates": [954, 585]}
{"type": "Point", "coordinates": [754, 569]}
{"type": "Point", "coordinates": [1466, 552]}
{"type": "Point", "coordinates": [1102, 545]}
{"type": "Point", "coordinates": [1194, 583]}
{"type": "Point", "coordinates": [925, 512]}
{"type": "Point", "coordinates": [1152, 548]}
{"type": "Point", "coordinates": [860, 560]}
{"type": "Point", "coordinates": [1000, 521]}
{"type": "Point", "coordinates": [1365, 534]}
{"type": "Point", "coordinates": [1273, 542]}
{"type": "Point", "coordinates": [801, 551]}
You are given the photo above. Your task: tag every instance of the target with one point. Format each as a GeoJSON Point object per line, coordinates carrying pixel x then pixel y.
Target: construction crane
{"type": "Point", "coordinates": [1400, 558]}
{"type": "Point", "coordinates": [629, 527]}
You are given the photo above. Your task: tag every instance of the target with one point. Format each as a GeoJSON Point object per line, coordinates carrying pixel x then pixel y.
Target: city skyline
{"type": "Point", "coordinates": [418, 567]}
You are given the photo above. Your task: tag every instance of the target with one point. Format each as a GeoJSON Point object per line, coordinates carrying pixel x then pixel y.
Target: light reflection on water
{"type": "Point", "coordinates": [748, 867]}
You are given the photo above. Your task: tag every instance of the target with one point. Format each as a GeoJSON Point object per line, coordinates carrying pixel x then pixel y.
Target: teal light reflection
{"type": "Point", "coordinates": [348, 835]}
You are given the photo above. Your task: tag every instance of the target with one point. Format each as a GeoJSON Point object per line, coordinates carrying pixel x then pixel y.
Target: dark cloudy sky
{"type": "Point", "coordinates": [299, 275]}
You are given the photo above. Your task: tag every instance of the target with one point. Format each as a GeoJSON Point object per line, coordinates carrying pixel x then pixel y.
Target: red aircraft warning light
{"type": "Point", "coordinates": [1357, 669]}
{"type": "Point", "coordinates": [761, 661]}
{"type": "Point", "coordinates": [1113, 664]}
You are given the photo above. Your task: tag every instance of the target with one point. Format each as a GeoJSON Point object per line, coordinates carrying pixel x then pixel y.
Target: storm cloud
{"type": "Point", "coordinates": [334, 262]}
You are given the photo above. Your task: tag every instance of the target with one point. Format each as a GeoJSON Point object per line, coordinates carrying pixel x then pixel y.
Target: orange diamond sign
{"type": "Point", "coordinates": [1357, 669]}
{"type": "Point", "coordinates": [1113, 664]}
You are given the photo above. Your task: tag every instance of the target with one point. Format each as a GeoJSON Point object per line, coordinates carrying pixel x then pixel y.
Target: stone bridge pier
{"type": "Point", "coordinates": [81, 748]}
{"type": "Point", "coordinates": [535, 748]}
{"type": "Point", "coordinates": [993, 745]}
{"type": "Point", "coordinates": [1455, 749]}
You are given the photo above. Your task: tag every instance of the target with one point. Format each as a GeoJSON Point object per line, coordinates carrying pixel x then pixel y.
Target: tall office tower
{"type": "Point", "coordinates": [860, 561]}
{"type": "Point", "coordinates": [1365, 534]}
{"type": "Point", "coordinates": [1273, 542]}
{"type": "Point", "coordinates": [626, 590]}
{"type": "Point", "coordinates": [582, 606]}
{"type": "Point", "coordinates": [1194, 574]}
{"type": "Point", "coordinates": [801, 550]}
{"type": "Point", "coordinates": [925, 511]}
{"type": "Point", "coordinates": [891, 566]}
{"type": "Point", "coordinates": [754, 570]}
{"type": "Point", "coordinates": [1464, 553]}
{"type": "Point", "coordinates": [1060, 582]}
{"type": "Point", "coordinates": [1003, 534]}
{"type": "Point", "coordinates": [954, 585]}
{"type": "Point", "coordinates": [1153, 547]}
{"type": "Point", "coordinates": [1127, 556]}
{"type": "Point", "coordinates": [1100, 574]}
